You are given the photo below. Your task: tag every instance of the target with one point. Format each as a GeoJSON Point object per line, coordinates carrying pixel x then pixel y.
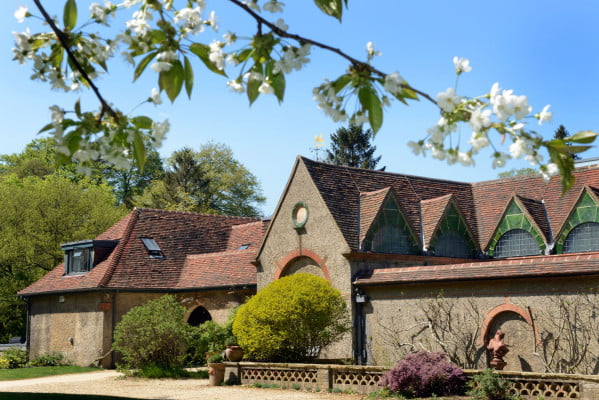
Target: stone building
{"type": "Point", "coordinates": [423, 264]}
{"type": "Point", "coordinates": [205, 260]}
{"type": "Point", "coordinates": [440, 265]}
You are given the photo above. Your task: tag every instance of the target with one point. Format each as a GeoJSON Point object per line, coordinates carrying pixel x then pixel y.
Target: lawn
{"type": "Point", "coordinates": [38, 372]}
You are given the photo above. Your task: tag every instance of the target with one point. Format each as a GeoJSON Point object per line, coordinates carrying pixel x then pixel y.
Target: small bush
{"type": "Point", "coordinates": [489, 385]}
{"type": "Point", "coordinates": [4, 363]}
{"type": "Point", "coordinates": [17, 358]}
{"type": "Point", "coordinates": [210, 337]}
{"type": "Point", "coordinates": [423, 374]}
{"type": "Point", "coordinates": [153, 334]}
{"type": "Point", "coordinates": [291, 319]}
{"type": "Point", "coordinates": [48, 360]}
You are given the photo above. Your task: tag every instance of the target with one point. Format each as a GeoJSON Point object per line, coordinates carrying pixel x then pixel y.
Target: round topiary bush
{"type": "Point", "coordinates": [424, 374]}
{"type": "Point", "coordinates": [291, 319]}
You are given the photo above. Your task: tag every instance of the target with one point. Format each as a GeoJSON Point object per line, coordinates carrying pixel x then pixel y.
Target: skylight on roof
{"type": "Point", "coordinates": [152, 248]}
{"type": "Point", "coordinates": [243, 247]}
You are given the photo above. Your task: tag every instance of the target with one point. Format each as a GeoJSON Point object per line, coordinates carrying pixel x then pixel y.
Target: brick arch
{"type": "Point", "coordinates": [508, 307]}
{"type": "Point", "coordinates": [282, 265]}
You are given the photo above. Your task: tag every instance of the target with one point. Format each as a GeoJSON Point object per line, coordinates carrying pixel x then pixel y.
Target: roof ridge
{"type": "Point", "coordinates": [120, 248]}
{"type": "Point", "coordinates": [223, 216]}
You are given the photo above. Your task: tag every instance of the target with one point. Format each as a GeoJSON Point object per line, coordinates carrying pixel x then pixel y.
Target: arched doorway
{"type": "Point", "coordinates": [198, 316]}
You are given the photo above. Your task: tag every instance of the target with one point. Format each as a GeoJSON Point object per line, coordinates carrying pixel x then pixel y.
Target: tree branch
{"type": "Point", "coordinates": [355, 62]}
{"type": "Point", "coordinates": [64, 42]}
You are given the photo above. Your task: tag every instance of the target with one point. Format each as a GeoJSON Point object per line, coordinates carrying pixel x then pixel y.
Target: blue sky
{"type": "Point", "coordinates": [548, 51]}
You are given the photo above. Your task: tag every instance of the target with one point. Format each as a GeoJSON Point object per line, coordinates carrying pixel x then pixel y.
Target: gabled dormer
{"type": "Point", "coordinates": [384, 228]}
{"type": "Point", "coordinates": [580, 232]}
{"type": "Point", "coordinates": [520, 230]}
{"type": "Point", "coordinates": [446, 233]}
{"type": "Point", "coordinates": [80, 257]}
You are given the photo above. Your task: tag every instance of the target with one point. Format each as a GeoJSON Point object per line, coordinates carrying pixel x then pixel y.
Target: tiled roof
{"type": "Point", "coordinates": [522, 267]}
{"type": "Point", "coordinates": [481, 204]}
{"type": "Point", "coordinates": [340, 188]}
{"type": "Point", "coordinates": [432, 210]}
{"type": "Point", "coordinates": [180, 235]}
{"type": "Point", "coordinates": [370, 204]}
{"type": "Point", "coordinates": [226, 268]}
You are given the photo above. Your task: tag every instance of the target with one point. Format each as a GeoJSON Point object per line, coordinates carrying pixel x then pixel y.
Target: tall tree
{"type": "Point", "coordinates": [38, 215]}
{"type": "Point", "coordinates": [209, 181]}
{"type": "Point", "coordinates": [351, 147]}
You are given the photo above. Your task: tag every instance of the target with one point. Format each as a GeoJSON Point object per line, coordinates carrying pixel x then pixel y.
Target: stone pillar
{"type": "Point", "coordinates": [324, 378]}
{"type": "Point", "coordinates": [589, 391]}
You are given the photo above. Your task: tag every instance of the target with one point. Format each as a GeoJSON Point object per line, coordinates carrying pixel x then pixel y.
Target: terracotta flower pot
{"type": "Point", "coordinates": [234, 353]}
{"type": "Point", "coordinates": [216, 373]}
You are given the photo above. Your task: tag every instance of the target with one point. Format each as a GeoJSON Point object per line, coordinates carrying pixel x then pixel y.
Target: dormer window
{"type": "Point", "coordinates": [152, 247]}
{"type": "Point", "coordinates": [81, 257]}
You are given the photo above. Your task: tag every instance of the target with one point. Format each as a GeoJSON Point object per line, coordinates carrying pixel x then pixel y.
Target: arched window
{"type": "Point", "coordinates": [391, 239]}
{"type": "Point", "coordinates": [583, 238]}
{"type": "Point", "coordinates": [516, 242]}
{"type": "Point", "coordinates": [452, 244]}
{"type": "Point", "coordinates": [199, 316]}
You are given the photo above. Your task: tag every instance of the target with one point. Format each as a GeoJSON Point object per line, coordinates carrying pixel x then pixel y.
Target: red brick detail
{"type": "Point", "coordinates": [507, 308]}
{"type": "Point", "coordinates": [282, 265]}
{"type": "Point", "coordinates": [105, 306]}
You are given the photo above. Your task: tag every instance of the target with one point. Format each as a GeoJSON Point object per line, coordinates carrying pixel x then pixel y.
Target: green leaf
{"type": "Point", "coordinates": [244, 55]}
{"type": "Point", "coordinates": [334, 8]}
{"type": "Point", "coordinates": [188, 76]}
{"type": "Point", "coordinates": [582, 137]}
{"type": "Point", "coordinates": [341, 82]}
{"type": "Point", "coordinates": [143, 64]}
{"type": "Point", "coordinates": [172, 80]}
{"type": "Point", "coordinates": [139, 150]}
{"type": "Point", "coordinates": [70, 15]}
{"type": "Point", "coordinates": [47, 127]}
{"type": "Point", "coordinates": [370, 102]}
{"type": "Point", "coordinates": [142, 122]}
{"type": "Point", "coordinates": [78, 108]}
{"type": "Point", "coordinates": [252, 89]}
{"type": "Point", "coordinates": [72, 140]}
{"type": "Point", "coordinates": [56, 56]}
{"type": "Point", "coordinates": [277, 82]}
{"type": "Point", "coordinates": [203, 52]}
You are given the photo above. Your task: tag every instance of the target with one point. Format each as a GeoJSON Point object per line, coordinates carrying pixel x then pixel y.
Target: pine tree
{"type": "Point", "coordinates": [351, 147]}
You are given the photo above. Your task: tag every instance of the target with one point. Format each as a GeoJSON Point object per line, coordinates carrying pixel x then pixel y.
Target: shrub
{"type": "Point", "coordinates": [424, 374]}
{"type": "Point", "coordinates": [489, 385]}
{"type": "Point", "coordinates": [48, 360]}
{"type": "Point", "coordinates": [291, 319]}
{"type": "Point", "coordinates": [17, 358]}
{"type": "Point", "coordinates": [211, 337]}
{"type": "Point", "coordinates": [153, 334]}
{"type": "Point", "coordinates": [4, 363]}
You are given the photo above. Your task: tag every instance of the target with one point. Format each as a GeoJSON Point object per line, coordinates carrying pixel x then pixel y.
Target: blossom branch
{"type": "Point", "coordinates": [355, 62]}
{"type": "Point", "coordinates": [64, 42]}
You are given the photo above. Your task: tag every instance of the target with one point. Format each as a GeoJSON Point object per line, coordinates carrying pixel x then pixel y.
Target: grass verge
{"type": "Point", "coordinates": [38, 372]}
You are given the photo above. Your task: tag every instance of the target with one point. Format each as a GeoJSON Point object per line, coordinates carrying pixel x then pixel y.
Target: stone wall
{"type": "Point", "coordinates": [400, 319]}
{"type": "Point", "coordinates": [71, 324]}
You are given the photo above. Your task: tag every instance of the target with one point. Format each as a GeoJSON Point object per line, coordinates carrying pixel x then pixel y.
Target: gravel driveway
{"type": "Point", "coordinates": [112, 383]}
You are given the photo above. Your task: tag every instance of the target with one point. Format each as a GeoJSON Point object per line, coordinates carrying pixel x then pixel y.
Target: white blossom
{"type": "Point", "coordinates": [465, 159]}
{"type": "Point", "coordinates": [160, 66]}
{"type": "Point", "coordinates": [100, 13]}
{"type": "Point", "coordinates": [139, 26]}
{"type": "Point", "coordinates": [266, 88]}
{"type": "Point", "coordinates": [216, 54]}
{"type": "Point", "coordinates": [159, 130]}
{"type": "Point", "coordinates": [393, 82]}
{"type": "Point", "coordinates": [280, 23]}
{"type": "Point", "coordinates": [273, 6]}
{"type": "Point", "coordinates": [190, 20]}
{"type": "Point", "coordinates": [448, 100]}
{"type": "Point", "coordinates": [21, 13]}
{"type": "Point", "coordinates": [549, 170]}
{"type": "Point", "coordinates": [236, 86]}
{"type": "Point", "coordinates": [155, 97]}
{"type": "Point", "coordinates": [213, 21]}
{"type": "Point", "coordinates": [461, 65]}
{"type": "Point", "coordinates": [371, 51]}
{"type": "Point", "coordinates": [499, 159]}
{"type": "Point", "coordinates": [417, 147]}
{"type": "Point", "coordinates": [293, 58]}
{"type": "Point", "coordinates": [519, 148]}
{"type": "Point", "coordinates": [480, 120]}
{"type": "Point", "coordinates": [478, 141]}
{"type": "Point", "coordinates": [252, 4]}
{"type": "Point", "coordinates": [545, 115]}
